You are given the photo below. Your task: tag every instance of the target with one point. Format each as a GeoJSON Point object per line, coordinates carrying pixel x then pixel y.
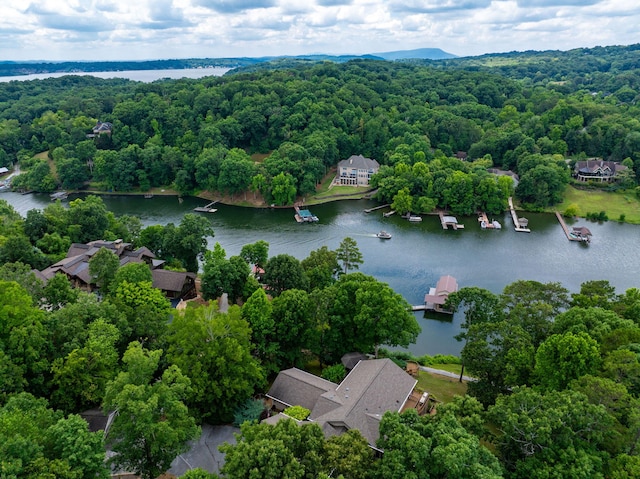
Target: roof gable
{"type": "Point", "coordinates": [359, 162]}
{"type": "Point", "coordinates": [369, 390]}
{"type": "Point", "coordinates": [295, 387]}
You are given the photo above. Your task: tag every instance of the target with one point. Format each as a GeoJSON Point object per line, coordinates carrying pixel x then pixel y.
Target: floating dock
{"type": "Point", "coordinates": [486, 224]}
{"type": "Point", "coordinates": [520, 224]}
{"type": "Point", "coordinates": [304, 216]}
{"type": "Point", "coordinates": [447, 221]}
{"type": "Point", "coordinates": [58, 195]}
{"type": "Point", "coordinates": [579, 233]}
{"type": "Point", "coordinates": [207, 208]}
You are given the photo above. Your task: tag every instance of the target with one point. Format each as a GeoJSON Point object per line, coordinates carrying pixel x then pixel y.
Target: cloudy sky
{"type": "Point", "coordinates": [160, 29]}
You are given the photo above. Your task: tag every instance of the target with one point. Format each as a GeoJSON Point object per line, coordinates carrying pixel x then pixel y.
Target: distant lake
{"type": "Point", "coordinates": [146, 76]}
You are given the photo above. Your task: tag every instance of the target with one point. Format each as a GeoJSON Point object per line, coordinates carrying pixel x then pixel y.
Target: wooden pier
{"type": "Point", "coordinates": [207, 208]}
{"type": "Point", "coordinates": [520, 224]}
{"type": "Point", "coordinates": [486, 224]}
{"type": "Point", "coordinates": [580, 234]}
{"type": "Point", "coordinates": [447, 221]}
{"type": "Point", "coordinates": [369, 210]}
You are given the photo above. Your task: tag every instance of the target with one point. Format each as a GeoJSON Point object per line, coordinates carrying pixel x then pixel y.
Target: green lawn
{"type": "Point", "coordinates": [594, 201]}
{"type": "Point", "coordinates": [326, 192]}
{"type": "Point", "coordinates": [441, 387]}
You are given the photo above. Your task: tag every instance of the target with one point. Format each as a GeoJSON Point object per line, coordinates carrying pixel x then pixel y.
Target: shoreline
{"type": "Point", "coordinates": [308, 201]}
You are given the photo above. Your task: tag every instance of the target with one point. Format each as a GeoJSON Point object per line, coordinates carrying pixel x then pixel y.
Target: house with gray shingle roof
{"type": "Point", "coordinates": [356, 171]}
{"type": "Point", "coordinates": [372, 388]}
{"type": "Point", "coordinates": [597, 169]}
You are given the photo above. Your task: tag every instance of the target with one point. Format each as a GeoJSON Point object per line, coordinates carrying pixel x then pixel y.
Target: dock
{"type": "Point", "coordinates": [579, 233]}
{"type": "Point", "coordinates": [207, 208]}
{"type": "Point", "coordinates": [520, 224]}
{"type": "Point", "coordinates": [304, 216]}
{"type": "Point", "coordinates": [486, 224]}
{"type": "Point", "coordinates": [447, 221]}
{"type": "Point", "coordinates": [58, 195]}
{"type": "Point", "coordinates": [369, 210]}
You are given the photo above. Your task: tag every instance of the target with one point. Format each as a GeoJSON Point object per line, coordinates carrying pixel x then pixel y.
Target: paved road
{"type": "Point", "coordinates": [449, 374]}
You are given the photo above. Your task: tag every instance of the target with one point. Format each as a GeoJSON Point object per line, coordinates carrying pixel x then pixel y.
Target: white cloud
{"type": "Point", "coordinates": [143, 29]}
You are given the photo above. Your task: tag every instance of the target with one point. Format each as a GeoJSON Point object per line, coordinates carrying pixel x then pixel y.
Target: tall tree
{"type": "Point", "coordinates": [152, 425]}
{"type": "Point", "coordinates": [349, 254]}
{"type": "Point", "coordinates": [103, 267]}
{"type": "Point", "coordinates": [284, 272]}
{"type": "Point", "coordinates": [480, 306]}
{"type": "Point", "coordinates": [285, 450]}
{"type": "Point", "coordinates": [556, 434]}
{"type": "Point", "coordinates": [564, 357]}
{"type": "Point", "coordinates": [188, 242]}
{"type": "Point", "coordinates": [215, 348]}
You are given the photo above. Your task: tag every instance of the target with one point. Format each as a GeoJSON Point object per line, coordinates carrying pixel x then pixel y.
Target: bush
{"type": "Point", "coordinates": [250, 410]}
{"type": "Point", "coordinates": [297, 412]}
{"type": "Point", "coordinates": [571, 211]}
{"type": "Point", "coordinates": [427, 360]}
{"type": "Point", "coordinates": [335, 373]}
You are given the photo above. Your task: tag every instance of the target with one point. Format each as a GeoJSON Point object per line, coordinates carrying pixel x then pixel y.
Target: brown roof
{"type": "Point", "coordinates": [170, 280]}
{"type": "Point", "coordinates": [446, 285]}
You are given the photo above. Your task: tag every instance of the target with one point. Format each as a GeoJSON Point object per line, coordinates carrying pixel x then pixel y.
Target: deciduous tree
{"type": "Point", "coordinates": [152, 425]}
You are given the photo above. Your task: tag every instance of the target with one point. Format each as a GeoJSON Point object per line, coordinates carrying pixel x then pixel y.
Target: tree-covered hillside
{"type": "Point", "coordinates": [199, 134]}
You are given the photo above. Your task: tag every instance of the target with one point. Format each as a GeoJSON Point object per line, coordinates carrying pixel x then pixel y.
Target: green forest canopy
{"type": "Point", "coordinates": [199, 134]}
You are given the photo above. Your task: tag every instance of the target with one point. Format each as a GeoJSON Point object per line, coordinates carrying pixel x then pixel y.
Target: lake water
{"type": "Point", "coordinates": [146, 76]}
{"type": "Point", "coordinates": [418, 253]}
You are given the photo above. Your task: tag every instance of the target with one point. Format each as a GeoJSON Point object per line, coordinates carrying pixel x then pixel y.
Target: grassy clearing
{"type": "Point", "coordinates": [613, 203]}
{"type": "Point", "coordinates": [441, 387]}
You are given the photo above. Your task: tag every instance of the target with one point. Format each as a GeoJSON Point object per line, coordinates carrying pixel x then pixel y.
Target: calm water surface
{"type": "Point", "coordinates": [136, 75]}
{"type": "Point", "coordinates": [418, 254]}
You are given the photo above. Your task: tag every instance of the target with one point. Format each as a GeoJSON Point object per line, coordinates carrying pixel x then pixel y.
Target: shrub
{"type": "Point", "coordinates": [297, 412]}
{"type": "Point", "coordinates": [335, 373]}
{"type": "Point", "coordinates": [571, 211]}
{"type": "Point", "coordinates": [250, 410]}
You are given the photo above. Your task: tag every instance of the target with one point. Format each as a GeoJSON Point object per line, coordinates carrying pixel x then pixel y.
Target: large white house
{"type": "Point", "coordinates": [356, 171]}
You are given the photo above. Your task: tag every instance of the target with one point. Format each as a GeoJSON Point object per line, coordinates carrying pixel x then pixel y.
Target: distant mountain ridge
{"type": "Point", "coordinates": [421, 53]}
{"type": "Point", "coordinates": [13, 68]}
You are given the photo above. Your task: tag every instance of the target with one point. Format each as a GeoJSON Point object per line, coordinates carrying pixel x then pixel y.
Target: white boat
{"type": "Point", "coordinates": [383, 235]}
{"type": "Point", "coordinates": [415, 219]}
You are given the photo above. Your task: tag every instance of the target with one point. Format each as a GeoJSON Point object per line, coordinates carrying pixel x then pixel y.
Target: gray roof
{"type": "Point", "coordinates": [372, 388]}
{"type": "Point", "coordinates": [295, 387]}
{"type": "Point", "coordinates": [359, 162]}
{"type": "Point", "coordinates": [369, 390]}
{"type": "Point", "coordinates": [350, 360]}
{"type": "Point", "coordinates": [593, 164]}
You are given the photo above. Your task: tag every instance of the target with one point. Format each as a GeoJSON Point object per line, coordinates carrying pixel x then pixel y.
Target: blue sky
{"type": "Point", "coordinates": [159, 29]}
